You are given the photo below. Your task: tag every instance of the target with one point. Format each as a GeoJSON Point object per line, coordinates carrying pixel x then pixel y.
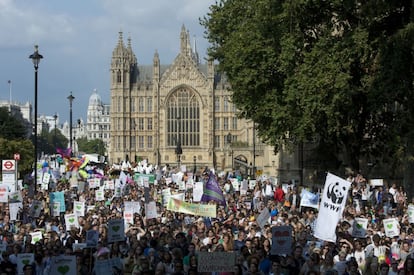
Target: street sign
{"type": "Point", "coordinates": [16, 156]}
{"type": "Point", "coordinates": [8, 165]}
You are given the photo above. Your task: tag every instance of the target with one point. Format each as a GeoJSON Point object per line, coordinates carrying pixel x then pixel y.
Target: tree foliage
{"type": "Point", "coordinates": [11, 127]}
{"type": "Point", "coordinates": [48, 141]}
{"type": "Point", "coordinates": [24, 147]}
{"type": "Point", "coordinates": [94, 146]}
{"type": "Point", "coordinates": [340, 72]}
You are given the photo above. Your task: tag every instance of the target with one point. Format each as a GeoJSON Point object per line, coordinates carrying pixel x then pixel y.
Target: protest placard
{"type": "Point", "coordinates": [116, 231]}
{"type": "Point", "coordinates": [216, 262]}
{"type": "Point", "coordinates": [63, 264]}
{"type": "Point", "coordinates": [281, 240]}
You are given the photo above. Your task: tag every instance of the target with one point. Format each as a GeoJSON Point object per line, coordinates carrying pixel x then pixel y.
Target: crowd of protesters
{"type": "Point", "coordinates": [171, 243]}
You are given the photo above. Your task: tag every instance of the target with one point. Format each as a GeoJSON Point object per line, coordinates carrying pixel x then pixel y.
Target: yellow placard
{"type": "Point", "coordinates": [205, 210]}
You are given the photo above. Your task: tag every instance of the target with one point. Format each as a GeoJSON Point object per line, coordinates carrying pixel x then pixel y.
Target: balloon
{"type": "Point", "coordinates": [274, 212]}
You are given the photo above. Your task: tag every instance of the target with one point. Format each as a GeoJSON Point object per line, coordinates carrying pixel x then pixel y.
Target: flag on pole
{"type": "Point", "coordinates": [212, 191]}
{"type": "Point", "coordinates": [332, 205]}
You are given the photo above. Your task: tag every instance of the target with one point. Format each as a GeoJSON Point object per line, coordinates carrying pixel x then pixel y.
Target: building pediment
{"type": "Point", "coordinates": [183, 70]}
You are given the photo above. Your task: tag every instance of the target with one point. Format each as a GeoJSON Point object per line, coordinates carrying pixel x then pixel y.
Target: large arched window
{"type": "Point", "coordinates": [183, 118]}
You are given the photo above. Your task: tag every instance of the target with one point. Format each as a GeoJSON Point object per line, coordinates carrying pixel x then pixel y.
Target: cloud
{"type": "Point", "coordinates": [77, 38]}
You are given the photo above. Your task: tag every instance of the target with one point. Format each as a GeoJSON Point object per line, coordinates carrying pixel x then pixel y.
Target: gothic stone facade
{"type": "Point", "coordinates": [156, 108]}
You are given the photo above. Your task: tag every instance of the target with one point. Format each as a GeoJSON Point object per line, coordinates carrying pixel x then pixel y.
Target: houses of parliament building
{"type": "Point", "coordinates": [182, 114]}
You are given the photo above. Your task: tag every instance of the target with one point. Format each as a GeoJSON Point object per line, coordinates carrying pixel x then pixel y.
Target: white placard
{"type": "Point", "coordinates": [36, 236]}
{"type": "Point", "coordinates": [411, 213]}
{"type": "Point", "coordinates": [55, 208]}
{"type": "Point", "coordinates": [151, 210]}
{"type": "Point", "coordinates": [376, 182]}
{"type": "Point", "coordinates": [391, 227]}
{"type": "Point", "coordinates": [71, 221]}
{"type": "Point", "coordinates": [79, 208]}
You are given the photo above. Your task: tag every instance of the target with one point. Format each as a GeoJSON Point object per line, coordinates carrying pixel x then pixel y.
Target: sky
{"type": "Point", "coordinates": [76, 39]}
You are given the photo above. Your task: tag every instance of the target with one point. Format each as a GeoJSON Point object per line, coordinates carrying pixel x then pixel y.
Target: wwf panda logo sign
{"type": "Point", "coordinates": [336, 192]}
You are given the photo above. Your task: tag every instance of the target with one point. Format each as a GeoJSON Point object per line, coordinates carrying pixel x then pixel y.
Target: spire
{"type": "Point", "coordinates": [188, 44]}
{"type": "Point", "coordinates": [196, 56]}
{"type": "Point", "coordinates": [120, 39]}
{"type": "Point", "coordinates": [183, 39]}
{"type": "Point", "coordinates": [129, 42]}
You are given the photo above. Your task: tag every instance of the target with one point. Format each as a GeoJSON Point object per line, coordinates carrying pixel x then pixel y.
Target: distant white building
{"type": "Point", "coordinates": [98, 120]}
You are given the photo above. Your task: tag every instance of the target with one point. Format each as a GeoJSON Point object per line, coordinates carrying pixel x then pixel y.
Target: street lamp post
{"type": "Point", "coordinates": [54, 141]}
{"type": "Point", "coordinates": [178, 149]}
{"type": "Point", "coordinates": [35, 57]}
{"type": "Point", "coordinates": [70, 98]}
{"type": "Point", "coordinates": [254, 150]}
{"type": "Point", "coordinates": [195, 164]}
{"type": "Point", "coordinates": [229, 140]}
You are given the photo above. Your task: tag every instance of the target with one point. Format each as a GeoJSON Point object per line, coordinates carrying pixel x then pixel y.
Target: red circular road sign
{"type": "Point", "coordinates": [8, 165]}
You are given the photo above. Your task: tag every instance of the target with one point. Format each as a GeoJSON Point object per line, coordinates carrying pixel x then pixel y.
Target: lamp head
{"type": "Point", "coordinates": [35, 57]}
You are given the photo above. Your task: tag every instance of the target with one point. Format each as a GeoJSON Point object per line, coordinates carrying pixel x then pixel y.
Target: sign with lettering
{"type": "Point", "coordinates": [216, 261]}
{"type": "Point", "coordinates": [63, 264]}
{"type": "Point", "coordinates": [116, 231]}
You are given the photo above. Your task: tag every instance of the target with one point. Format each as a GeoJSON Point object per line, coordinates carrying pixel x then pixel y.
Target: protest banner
{"type": "Point", "coordinates": [331, 207]}
{"type": "Point", "coordinates": [206, 210]}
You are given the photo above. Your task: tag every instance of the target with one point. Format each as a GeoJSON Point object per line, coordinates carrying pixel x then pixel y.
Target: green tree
{"type": "Point", "coordinates": [24, 147]}
{"type": "Point", "coordinates": [11, 127]}
{"type": "Point", "coordinates": [50, 140]}
{"type": "Point", "coordinates": [339, 72]}
{"type": "Point", "coordinates": [13, 139]}
{"type": "Point", "coordinates": [94, 146]}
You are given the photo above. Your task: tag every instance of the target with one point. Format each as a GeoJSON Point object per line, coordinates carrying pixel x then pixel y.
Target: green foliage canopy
{"type": "Point", "coordinates": [337, 71]}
